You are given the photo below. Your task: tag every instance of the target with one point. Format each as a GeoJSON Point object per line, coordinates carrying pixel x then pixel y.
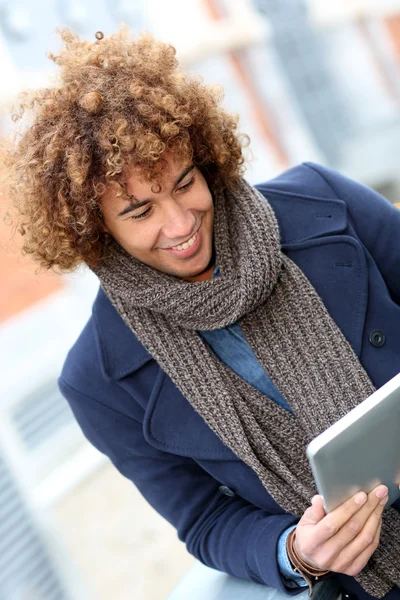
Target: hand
{"type": "Point", "coordinates": [345, 539]}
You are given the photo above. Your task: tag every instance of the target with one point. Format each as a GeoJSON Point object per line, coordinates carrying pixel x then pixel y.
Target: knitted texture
{"type": "Point", "coordinates": [292, 335]}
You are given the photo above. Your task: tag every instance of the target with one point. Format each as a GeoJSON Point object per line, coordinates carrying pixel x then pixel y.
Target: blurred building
{"type": "Point", "coordinates": [302, 54]}
{"type": "Point", "coordinates": [312, 80]}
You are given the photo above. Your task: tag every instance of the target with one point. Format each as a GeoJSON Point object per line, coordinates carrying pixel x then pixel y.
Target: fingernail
{"type": "Point", "coordinates": [360, 497]}
{"type": "Point", "coordinates": [384, 500]}
{"type": "Point", "coordinates": [381, 492]}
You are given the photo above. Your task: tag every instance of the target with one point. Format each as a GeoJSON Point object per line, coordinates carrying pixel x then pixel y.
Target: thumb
{"type": "Point", "coordinates": [317, 504]}
{"type": "Point", "coordinates": [315, 513]}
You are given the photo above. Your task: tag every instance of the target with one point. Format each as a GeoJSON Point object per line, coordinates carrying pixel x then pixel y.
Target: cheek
{"type": "Point", "coordinates": [143, 237]}
{"type": "Point", "coordinates": [206, 202]}
{"type": "Point", "coordinates": [211, 206]}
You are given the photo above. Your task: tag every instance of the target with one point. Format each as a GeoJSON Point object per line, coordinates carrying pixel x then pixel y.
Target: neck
{"type": "Point", "coordinates": [203, 276]}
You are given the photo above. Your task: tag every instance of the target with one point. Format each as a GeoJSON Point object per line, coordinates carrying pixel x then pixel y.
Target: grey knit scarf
{"type": "Point", "coordinates": [292, 335]}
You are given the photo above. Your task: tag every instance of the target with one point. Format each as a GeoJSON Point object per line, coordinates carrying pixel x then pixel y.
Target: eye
{"type": "Point", "coordinates": [187, 185]}
{"type": "Point", "coordinates": [142, 215]}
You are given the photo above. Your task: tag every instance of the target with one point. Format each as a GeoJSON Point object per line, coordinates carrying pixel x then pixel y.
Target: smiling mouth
{"type": "Point", "coordinates": [186, 244]}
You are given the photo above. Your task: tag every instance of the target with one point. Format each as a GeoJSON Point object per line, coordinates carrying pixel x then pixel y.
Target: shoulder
{"type": "Point", "coordinates": [315, 181]}
{"type": "Point", "coordinates": [311, 180]}
{"type": "Point", "coordinates": [300, 195]}
{"type": "Point", "coordinates": [82, 365]}
{"type": "Point", "coordinates": [105, 352]}
{"type": "Point", "coordinates": [305, 204]}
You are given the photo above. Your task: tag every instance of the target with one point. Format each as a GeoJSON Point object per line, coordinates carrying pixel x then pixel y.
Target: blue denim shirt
{"type": "Point", "coordinates": [231, 347]}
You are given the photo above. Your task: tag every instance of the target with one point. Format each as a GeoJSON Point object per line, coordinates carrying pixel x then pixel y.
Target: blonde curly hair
{"type": "Point", "coordinates": [120, 101]}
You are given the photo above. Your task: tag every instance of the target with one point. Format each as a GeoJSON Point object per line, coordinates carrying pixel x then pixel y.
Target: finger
{"type": "Point", "coordinates": [334, 521]}
{"type": "Point", "coordinates": [357, 523]}
{"type": "Point", "coordinates": [352, 539]}
{"type": "Point", "coordinates": [314, 513]}
{"type": "Point", "coordinates": [359, 563]}
{"type": "Point", "coordinates": [312, 546]}
{"type": "Point", "coordinates": [356, 510]}
{"type": "Point", "coordinates": [317, 504]}
{"type": "Point", "coordinates": [363, 541]}
{"type": "Point", "coordinates": [366, 537]}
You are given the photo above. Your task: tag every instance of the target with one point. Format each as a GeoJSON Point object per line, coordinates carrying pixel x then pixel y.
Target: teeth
{"type": "Point", "coordinates": [186, 244]}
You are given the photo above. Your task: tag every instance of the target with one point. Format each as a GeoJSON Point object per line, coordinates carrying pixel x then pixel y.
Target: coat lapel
{"type": "Point", "coordinates": [172, 425]}
{"type": "Point", "coordinates": [337, 268]}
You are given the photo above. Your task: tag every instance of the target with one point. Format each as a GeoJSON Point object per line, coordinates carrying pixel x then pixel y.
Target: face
{"type": "Point", "coordinates": [169, 230]}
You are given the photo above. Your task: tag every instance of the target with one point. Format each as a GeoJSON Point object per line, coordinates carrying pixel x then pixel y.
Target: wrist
{"type": "Point", "coordinates": [309, 572]}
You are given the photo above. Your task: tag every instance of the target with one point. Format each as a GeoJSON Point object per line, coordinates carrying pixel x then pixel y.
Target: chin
{"type": "Point", "coordinates": [196, 272]}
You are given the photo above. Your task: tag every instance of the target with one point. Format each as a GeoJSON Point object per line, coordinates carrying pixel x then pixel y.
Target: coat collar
{"type": "Point", "coordinates": [301, 218]}
{"type": "Point", "coordinates": [119, 349]}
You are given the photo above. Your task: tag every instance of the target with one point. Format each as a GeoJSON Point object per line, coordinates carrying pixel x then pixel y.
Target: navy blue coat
{"type": "Point", "coordinates": [346, 239]}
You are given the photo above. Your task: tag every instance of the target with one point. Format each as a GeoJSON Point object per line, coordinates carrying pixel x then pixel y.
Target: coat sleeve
{"type": "Point", "coordinates": [225, 533]}
{"type": "Point", "coordinates": [375, 219]}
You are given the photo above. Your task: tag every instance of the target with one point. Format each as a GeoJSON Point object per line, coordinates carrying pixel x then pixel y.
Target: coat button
{"type": "Point", "coordinates": [227, 491]}
{"type": "Point", "coordinates": [377, 338]}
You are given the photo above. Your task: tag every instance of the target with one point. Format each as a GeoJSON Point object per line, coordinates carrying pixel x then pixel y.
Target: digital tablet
{"type": "Point", "coordinates": [361, 450]}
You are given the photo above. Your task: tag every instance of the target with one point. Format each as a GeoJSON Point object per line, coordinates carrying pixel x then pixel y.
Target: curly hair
{"type": "Point", "coordinates": [120, 101]}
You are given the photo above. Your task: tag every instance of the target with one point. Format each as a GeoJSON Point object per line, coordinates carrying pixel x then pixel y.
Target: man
{"type": "Point", "coordinates": [232, 325]}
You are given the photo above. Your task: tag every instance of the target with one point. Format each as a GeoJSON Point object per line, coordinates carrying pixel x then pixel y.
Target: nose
{"type": "Point", "coordinates": [179, 222]}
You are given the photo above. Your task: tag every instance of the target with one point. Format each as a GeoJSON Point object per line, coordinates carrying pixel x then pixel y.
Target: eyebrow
{"type": "Point", "coordinates": [134, 203]}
